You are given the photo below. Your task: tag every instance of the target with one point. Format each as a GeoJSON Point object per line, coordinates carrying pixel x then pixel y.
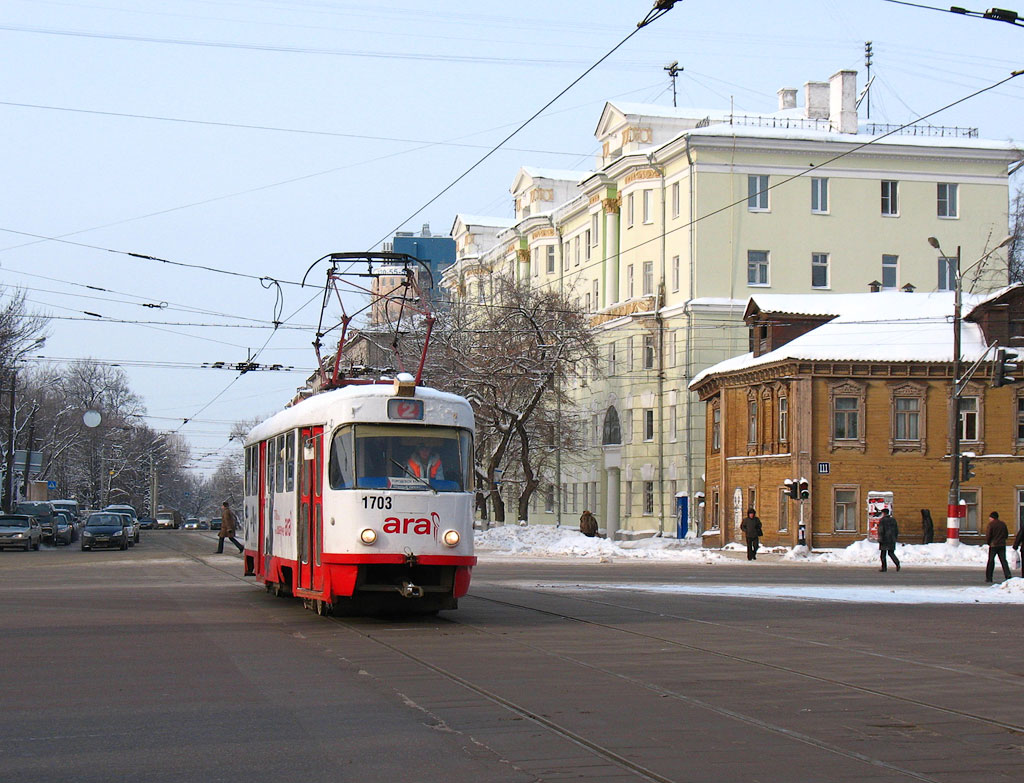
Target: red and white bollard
{"type": "Point", "coordinates": [956, 512]}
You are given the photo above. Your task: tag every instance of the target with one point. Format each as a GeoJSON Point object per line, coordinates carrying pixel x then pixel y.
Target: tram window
{"type": "Point", "coordinates": [280, 461]}
{"type": "Point", "coordinates": [271, 466]}
{"type": "Point", "coordinates": [289, 456]}
{"type": "Point", "coordinates": [340, 467]}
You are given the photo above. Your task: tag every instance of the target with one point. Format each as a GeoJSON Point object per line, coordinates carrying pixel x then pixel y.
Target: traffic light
{"type": "Point", "coordinates": [966, 466]}
{"type": "Point", "coordinates": [1006, 363]}
{"type": "Point", "coordinates": [794, 490]}
{"type": "Point", "coordinates": [805, 489]}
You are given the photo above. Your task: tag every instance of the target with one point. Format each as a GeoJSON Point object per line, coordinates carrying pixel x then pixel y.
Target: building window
{"type": "Point", "coordinates": [648, 498]}
{"type": "Point", "coordinates": [819, 195]}
{"type": "Point", "coordinates": [648, 358]}
{"type": "Point", "coordinates": [757, 267]}
{"type": "Point", "coordinates": [1020, 508]}
{"type": "Point", "coordinates": [551, 259]}
{"type": "Point", "coordinates": [783, 419]}
{"type": "Point", "coordinates": [845, 418]}
{"type": "Point", "coordinates": [716, 506]}
{"type": "Point", "coordinates": [716, 428]}
{"type": "Point", "coordinates": [649, 424]}
{"type": "Point", "coordinates": [890, 198]}
{"type": "Point", "coordinates": [819, 270]}
{"type": "Point", "coordinates": [757, 192]}
{"type": "Point", "coordinates": [480, 293]}
{"type": "Point", "coordinates": [751, 421]}
{"type": "Point", "coordinates": [783, 510]}
{"type": "Point", "coordinates": [1020, 419]}
{"type": "Point", "coordinates": [565, 255]}
{"type": "Point", "coordinates": [675, 199]}
{"type": "Point", "coordinates": [629, 211]}
{"type": "Point", "coordinates": [576, 251]}
{"type": "Point", "coordinates": [844, 513]}
{"type": "Point", "coordinates": [594, 226]}
{"type": "Point", "coordinates": [587, 305]}
{"type": "Point", "coordinates": [549, 499]}
{"type": "Point", "coordinates": [536, 262]}
{"type": "Point", "coordinates": [969, 523]}
{"type": "Point", "coordinates": [675, 273]}
{"type": "Point", "coordinates": [947, 273]}
{"type": "Point", "coordinates": [597, 304]}
{"type": "Point", "coordinates": [648, 281]}
{"type": "Point", "coordinates": [629, 281]}
{"type": "Point", "coordinates": [907, 418]}
{"type": "Point", "coordinates": [587, 246]}
{"type": "Point", "coordinates": [672, 424]}
{"type": "Point", "coordinates": [611, 358]}
{"type": "Point", "coordinates": [890, 271]}
{"type": "Point", "coordinates": [647, 205]}
{"type": "Point", "coordinates": [629, 354]}
{"type": "Point", "coordinates": [947, 207]}
{"type": "Point", "coordinates": [969, 419]}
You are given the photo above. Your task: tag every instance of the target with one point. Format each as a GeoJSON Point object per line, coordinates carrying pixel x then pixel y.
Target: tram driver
{"type": "Point", "coordinates": [424, 462]}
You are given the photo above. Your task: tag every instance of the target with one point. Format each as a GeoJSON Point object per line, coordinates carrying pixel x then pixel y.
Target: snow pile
{"type": "Point", "coordinates": [865, 552]}
{"type": "Point", "coordinates": [548, 541]}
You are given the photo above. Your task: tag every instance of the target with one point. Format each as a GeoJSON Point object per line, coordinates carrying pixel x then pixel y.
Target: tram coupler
{"type": "Point", "coordinates": [410, 558]}
{"type": "Point", "coordinates": [409, 590]}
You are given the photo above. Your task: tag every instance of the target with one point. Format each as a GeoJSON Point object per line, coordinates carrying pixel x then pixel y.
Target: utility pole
{"type": "Point", "coordinates": [673, 71]}
{"type": "Point", "coordinates": [867, 64]}
{"type": "Point", "coordinates": [954, 510]}
{"type": "Point", "coordinates": [28, 453]}
{"type": "Point", "coordinates": [9, 476]}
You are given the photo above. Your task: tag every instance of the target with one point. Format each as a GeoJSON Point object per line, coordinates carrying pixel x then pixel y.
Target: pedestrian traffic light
{"type": "Point", "coordinates": [1004, 371]}
{"type": "Point", "coordinates": [805, 489]}
{"type": "Point", "coordinates": [794, 490]}
{"type": "Point", "coordinates": [966, 466]}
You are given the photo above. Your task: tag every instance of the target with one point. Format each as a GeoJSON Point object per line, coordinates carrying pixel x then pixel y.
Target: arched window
{"type": "Point", "coordinates": [612, 432]}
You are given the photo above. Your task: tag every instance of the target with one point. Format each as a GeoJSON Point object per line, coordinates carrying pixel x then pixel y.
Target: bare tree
{"type": "Point", "coordinates": [512, 357]}
{"type": "Point", "coordinates": [1015, 250]}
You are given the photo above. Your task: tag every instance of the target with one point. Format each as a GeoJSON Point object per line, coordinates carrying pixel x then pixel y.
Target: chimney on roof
{"type": "Point", "coordinates": [816, 100]}
{"type": "Point", "coordinates": [874, 286]}
{"type": "Point", "coordinates": [842, 101]}
{"type": "Point", "coordinates": [787, 98]}
{"type": "Point", "coordinates": [426, 230]}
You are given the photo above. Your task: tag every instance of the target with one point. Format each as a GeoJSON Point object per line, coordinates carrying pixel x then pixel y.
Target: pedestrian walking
{"type": "Point", "coordinates": [752, 531]}
{"type": "Point", "coordinates": [1018, 544]}
{"type": "Point", "coordinates": [888, 534]}
{"type": "Point", "coordinates": [995, 537]}
{"type": "Point", "coordinates": [588, 524]}
{"type": "Point", "coordinates": [227, 528]}
{"type": "Point", "coordinates": [927, 527]}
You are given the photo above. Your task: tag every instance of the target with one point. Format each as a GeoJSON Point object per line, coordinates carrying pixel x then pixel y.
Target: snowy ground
{"type": "Point", "coordinates": [543, 541]}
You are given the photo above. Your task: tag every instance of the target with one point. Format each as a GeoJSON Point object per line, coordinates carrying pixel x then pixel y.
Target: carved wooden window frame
{"type": "Point", "coordinates": [902, 391]}
{"type": "Point", "coordinates": [1018, 421]}
{"type": "Point", "coordinates": [752, 419]}
{"type": "Point", "coordinates": [716, 426]}
{"type": "Point", "coordinates": [977, 445]}
{"type": "Point", "coordinates": [767, 420]}
{"type": "Point", "coordinates": [855, 489]}
{"type": "Point", "coordinates": [782, 414]}
{"type": "Point", "coordinates": [847, 389]}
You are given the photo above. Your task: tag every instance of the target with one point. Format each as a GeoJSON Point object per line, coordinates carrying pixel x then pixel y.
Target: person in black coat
{"type": "Point", "coordinates": [888, 532]}
{"type": "Point", "coordinates": [927, 528]}
{"type": "Point", "coordinates": [1018, 542]}
{"type": "Point", "coordinates": [751, 527]}
{"type": "Point", "coordinates": [995, 537]}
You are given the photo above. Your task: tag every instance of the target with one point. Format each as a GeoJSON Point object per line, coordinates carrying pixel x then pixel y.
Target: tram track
{"type": "Point", "coordinates": [608, 754]}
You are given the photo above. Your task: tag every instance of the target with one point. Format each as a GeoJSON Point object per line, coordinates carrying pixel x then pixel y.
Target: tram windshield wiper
{"type": "Point", "coordinates": [412, 475]}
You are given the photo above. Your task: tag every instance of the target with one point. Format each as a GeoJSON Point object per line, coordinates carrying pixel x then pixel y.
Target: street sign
{"type": "Point", "coordinates": [36, 463]}
{"type": "Point", "coordinates": [823, 468]}
{"type": "Point", "coordinates": [51, 485]}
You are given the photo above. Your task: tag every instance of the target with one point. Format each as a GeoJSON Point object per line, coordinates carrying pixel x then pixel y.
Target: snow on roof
{"type": "Point", "coordinates": [670, 112]}
{"type": "Point", "coordinates": [889, 326]}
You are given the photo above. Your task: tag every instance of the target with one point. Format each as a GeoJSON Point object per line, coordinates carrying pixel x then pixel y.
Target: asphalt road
{"type": "Point", "coordinates": [164, 664]}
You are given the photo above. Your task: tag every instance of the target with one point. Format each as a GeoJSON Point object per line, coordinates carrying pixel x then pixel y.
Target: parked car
{"type": "Point", "coordinates": [133, 528]}
{"type": "Point", "coordinates": [20, 530]}
{"type": "Point", "coordinates": [45, 514]}
{"type": "Point", "coordinates": [192, 523]}
{"type": "Point", "coordinates": [147, 523]}
{"type": "Point", "coordinates": [215, 523]}
{"type": "Point", "coordinates": [105, 530]}
{"type": "Point", "coordinates": [68, 505]}
{"type": "Point", "coordinates": [66, 528]}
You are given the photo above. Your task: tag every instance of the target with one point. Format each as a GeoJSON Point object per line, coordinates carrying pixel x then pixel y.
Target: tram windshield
{"type": "Point", "coordinates": [382, 456]}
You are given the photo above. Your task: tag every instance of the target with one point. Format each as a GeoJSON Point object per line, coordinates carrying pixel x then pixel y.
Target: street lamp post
{"type": "Point", "coordinates": [955, 511]}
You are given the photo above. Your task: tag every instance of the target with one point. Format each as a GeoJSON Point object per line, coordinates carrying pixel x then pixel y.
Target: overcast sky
{"type": "Point", "coordinates": [121, 133]}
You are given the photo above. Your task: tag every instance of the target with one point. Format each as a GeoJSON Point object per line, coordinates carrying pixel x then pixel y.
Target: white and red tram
{"type": "Point", "coordinates": [336, 511]}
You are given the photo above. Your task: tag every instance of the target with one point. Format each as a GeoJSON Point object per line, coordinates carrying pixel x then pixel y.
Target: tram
{"type": "Point", "coordinates": [361, 498]}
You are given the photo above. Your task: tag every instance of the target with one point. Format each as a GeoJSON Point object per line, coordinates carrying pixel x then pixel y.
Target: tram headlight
{"type": "Point", "coordinates": [368, 536]}
{"type": "Point", "coordinates": [451, 538]}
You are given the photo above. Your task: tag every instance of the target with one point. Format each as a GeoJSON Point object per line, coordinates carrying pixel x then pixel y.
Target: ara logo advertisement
{"type": "Point", "coordinates": [417, 526]}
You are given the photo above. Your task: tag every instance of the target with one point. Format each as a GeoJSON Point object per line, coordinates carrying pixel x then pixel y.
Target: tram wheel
{"type": "Point", "coordinates": [279, 590]}
{"type": "Point", "coordinates": [323, 608]}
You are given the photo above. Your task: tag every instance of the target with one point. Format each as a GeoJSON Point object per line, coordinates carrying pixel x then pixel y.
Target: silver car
{"type": "Point", "coordinates": [20, 530]}
{"type": "Point", "coordinates": [132, 527]}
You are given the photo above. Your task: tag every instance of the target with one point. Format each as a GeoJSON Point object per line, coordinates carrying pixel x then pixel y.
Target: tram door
{"type": "Point", "coordinates": [261, 504]}
{"type": "Point", "coordinates": [310, 532]}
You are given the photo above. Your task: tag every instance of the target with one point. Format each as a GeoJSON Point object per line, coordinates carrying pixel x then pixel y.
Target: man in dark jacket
{"type": "Point", "coordinates": [996, 537]}
{"type": "Point", "coordinates": [751, 527]}
{"type": "Point", "coordinates": [888, 532]}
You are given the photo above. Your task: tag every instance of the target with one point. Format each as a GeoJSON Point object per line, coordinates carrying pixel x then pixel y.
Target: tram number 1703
{"type": "Point", "coordinates": [376, 501]}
